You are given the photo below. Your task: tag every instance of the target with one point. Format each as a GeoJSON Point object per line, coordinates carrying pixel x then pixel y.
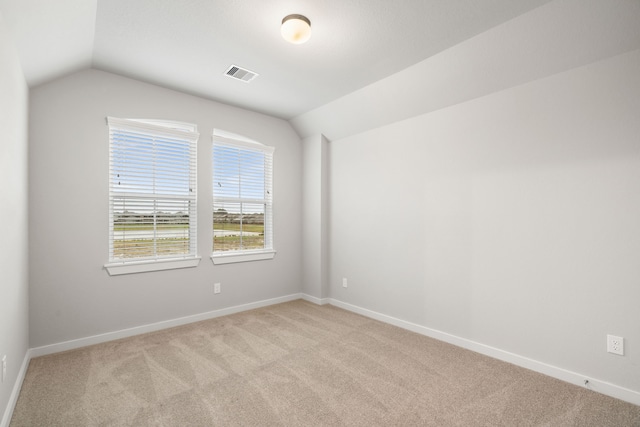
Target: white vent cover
{"type": "Point", "coordinates": [240, 73]}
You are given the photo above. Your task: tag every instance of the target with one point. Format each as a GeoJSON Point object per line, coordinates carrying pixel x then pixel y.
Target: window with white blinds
{"type": "Point", "coordinates": [152, 191]}
{"type": "Point", "coordinates": [242, 199]}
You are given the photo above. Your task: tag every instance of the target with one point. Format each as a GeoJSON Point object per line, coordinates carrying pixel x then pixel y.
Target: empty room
{"type": "Point", "coordinates": [320, 213]}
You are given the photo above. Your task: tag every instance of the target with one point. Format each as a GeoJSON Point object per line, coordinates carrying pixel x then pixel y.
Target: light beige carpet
{"type": "Point", "coordinates": [298, 364]}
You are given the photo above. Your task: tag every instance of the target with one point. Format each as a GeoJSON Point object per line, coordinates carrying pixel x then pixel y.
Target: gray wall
{"type": "Point", "coordinates": [72, 296]}
{"type": "Point", "coordinates": [315, 217]}
{"type": "Point", "coordinates": [14, 290]}
{"type": "Point", "coordinates": [510, 220]}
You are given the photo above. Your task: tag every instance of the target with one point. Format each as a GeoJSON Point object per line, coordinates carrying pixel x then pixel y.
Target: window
{"type": "Point", "coordinates": [242, 199]}
{"type": "Point", "coordinates": [152, 195]}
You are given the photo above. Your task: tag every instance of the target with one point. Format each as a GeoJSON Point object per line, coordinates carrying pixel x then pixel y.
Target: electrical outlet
{"type": "Point", "coordinates": [615, 345]}
{"type": "Point", "coordinates": [4, 367]}
{"type": "Point", "coordinates": [216, 288]}
{"type": "Point", "coordinates": [344, 282]}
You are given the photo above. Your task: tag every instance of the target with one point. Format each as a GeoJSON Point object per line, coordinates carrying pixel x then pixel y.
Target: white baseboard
{"type": "Point", "coordinates": [571, 377]}
{"type": "Point", "coordinates": [316, 300]}
{"type": "Point", "coordinates": [13, 399]}
{"type": "Point", "coordinates": [125, 333]}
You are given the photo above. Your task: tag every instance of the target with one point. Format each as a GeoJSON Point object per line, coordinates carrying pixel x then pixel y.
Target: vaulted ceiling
{"type": "Point", "coordinates": [187, 45]}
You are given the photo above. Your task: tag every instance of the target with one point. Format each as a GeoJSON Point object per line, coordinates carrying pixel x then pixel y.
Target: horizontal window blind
{"type": "Point", "coordinates": [242, 196]}
{"type": "Point", "coordinates": [152, 190]}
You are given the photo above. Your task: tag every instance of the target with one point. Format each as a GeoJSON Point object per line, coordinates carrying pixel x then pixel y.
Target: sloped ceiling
{"type": "Point", "coordinates": [53, 38]}
{"type": "Point", "coordinates": [188, 44]}
{"type": "Point", "coordinates": [553, 38]}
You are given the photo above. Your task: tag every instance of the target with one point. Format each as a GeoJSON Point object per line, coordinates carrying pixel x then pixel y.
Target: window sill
{"type": "Point", "coordinates": [117, 269]}
{"type": "Point", "coordinates": [229, 258]}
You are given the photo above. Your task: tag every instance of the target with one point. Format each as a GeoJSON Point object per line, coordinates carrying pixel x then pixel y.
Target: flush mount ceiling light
{"type": "Point", "coordinates": [296, 29]}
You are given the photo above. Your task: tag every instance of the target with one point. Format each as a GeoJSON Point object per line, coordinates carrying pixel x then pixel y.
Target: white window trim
{"type": "Point", "coordinates": [125, 266]}
{"type": "Point", "coordinates": [116, 269]}
{"type": "Point", "coordinates": [233, 257]}
{"type": "Point", "coordinates": [220, 258]}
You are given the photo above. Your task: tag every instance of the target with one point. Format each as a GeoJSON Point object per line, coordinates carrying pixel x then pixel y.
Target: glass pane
{"type": "Point", "coordinates": [226, 227]}
{"type": "Point", "coordinates": [238, 173]}
{"type": "Point", "coordinates": [252, 226]}
{"type": "Point", "coordinates": [238, 226]}
{"type": "Point", "coordinates": [252, 175]}
{"type": "Point", "coordinates": [147, 228]}
{"type": "Point", "coordinates": [226, 171]}
{"type": "Point", "coordinates": [150, 165]}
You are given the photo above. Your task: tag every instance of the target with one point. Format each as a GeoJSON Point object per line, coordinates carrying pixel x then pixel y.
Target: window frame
{"type": "Point", "coordinates": [179, 132]}
{"type": "Point", "coordinates": [227, 139]}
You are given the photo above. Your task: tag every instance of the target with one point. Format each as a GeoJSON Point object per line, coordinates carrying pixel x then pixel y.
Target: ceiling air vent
{"type": "Point", "coordinates": [240, 73]}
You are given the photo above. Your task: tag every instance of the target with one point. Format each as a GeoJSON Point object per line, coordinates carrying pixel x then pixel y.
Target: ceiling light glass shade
{"type": "Point", "coordinates": [296, 29]}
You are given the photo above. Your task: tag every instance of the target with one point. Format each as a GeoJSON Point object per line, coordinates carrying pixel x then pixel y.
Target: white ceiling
{"type": "Point", "coordinates": [188, 44]}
